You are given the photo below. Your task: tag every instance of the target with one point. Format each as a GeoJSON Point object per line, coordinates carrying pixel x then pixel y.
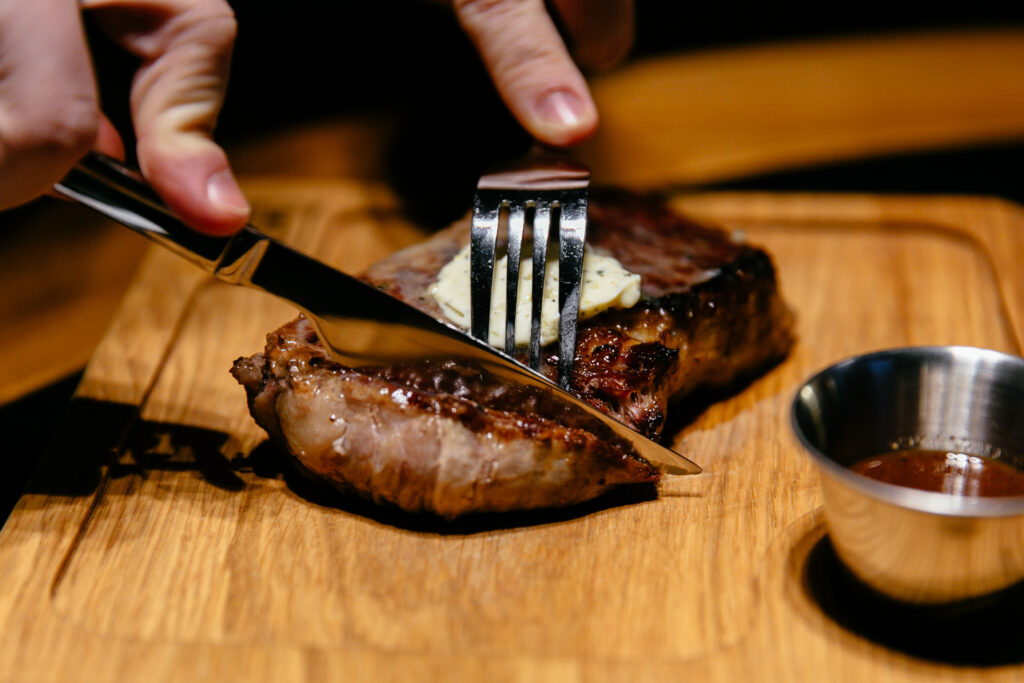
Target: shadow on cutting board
{"type": "Point", "coordinates": [99, 435]}
{"type": "Point", "coordinates": [982, 632]}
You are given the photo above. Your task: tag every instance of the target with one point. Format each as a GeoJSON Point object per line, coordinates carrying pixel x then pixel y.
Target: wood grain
{"type": "Point", "coordinates": [194, 553]}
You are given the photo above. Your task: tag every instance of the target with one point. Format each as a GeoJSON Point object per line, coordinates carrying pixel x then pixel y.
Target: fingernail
{"type": "Point", "coordinates": [561, 107]}
{"type": "Point", "coordinates": [222, 190]}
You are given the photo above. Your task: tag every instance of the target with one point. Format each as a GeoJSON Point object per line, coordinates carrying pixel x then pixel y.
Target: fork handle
{"type": "Point", "coordinates": [541, 169]}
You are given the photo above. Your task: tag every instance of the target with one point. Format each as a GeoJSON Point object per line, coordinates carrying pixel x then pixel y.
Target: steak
{"type": "Point", "coordinates": [448, 439]}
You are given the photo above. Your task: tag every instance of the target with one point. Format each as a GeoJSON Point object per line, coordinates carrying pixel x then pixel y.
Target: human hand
{"type": "Point", "coordinates": [531, 65]}
{"type": "Point", "coordinates": [51, 114]}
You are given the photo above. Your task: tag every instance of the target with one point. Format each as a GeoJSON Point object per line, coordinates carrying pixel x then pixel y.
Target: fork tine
{"type": "Point", "coordinates": [541, 225]}
{"type": "Point", "coordinates": [572, 230]}
{"type": "Point", "coordinates": [484, 233]}
{"type": "Point", "coordinates": [516, 220]}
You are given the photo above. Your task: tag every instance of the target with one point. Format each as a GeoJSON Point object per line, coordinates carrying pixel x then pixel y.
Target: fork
{"type": "Point", "coordinates": [549, 189]}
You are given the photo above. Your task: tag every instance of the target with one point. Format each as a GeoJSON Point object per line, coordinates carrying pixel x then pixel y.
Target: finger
{"type": "Point", "coordinates": [48, 103]}
{"type": "Point", "coordinates": [185, 48]}
{"type": "Point", "coordinates": [600, 31]}
{"type": "Point", "coordinates": [108, 140]}
{"type": "Point", "coordinates": [531, 67]}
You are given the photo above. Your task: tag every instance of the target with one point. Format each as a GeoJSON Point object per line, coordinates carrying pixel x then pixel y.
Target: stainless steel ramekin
{"type": "Point", "coordinates": [914, 545]}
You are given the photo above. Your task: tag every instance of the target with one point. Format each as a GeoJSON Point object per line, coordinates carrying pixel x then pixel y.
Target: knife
{"type": "Point", "coordinates": [358, 324]}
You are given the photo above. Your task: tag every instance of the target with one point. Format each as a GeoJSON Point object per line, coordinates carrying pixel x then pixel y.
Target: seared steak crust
{"type": "Point", "coordinates": [447, 439]}
{"type": "Point", "coordinates": [710, 309]}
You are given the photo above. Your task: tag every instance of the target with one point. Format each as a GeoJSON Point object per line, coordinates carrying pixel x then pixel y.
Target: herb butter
{"type": "Point", "coordinates": [606, 284]}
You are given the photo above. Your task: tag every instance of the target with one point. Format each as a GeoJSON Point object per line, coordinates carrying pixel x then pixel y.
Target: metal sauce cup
{"type": "Point", "coordinates": [914, 545]}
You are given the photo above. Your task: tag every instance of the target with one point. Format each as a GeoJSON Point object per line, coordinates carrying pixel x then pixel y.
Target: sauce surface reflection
{"type": "Point", "coordinates": [958, 474]}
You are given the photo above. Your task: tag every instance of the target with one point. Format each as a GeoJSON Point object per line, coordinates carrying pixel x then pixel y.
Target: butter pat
{"type": "Point", "coordinates": [606, 284]}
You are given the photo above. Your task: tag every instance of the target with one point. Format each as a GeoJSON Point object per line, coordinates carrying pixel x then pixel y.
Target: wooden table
{"type": "Point", "coordinates": [163, 541]}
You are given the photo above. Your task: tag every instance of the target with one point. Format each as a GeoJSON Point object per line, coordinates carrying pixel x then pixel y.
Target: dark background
{"type": "Point", "coordinates": [302, 61]}
{"type": "Point", "coordinates": [309, 60]}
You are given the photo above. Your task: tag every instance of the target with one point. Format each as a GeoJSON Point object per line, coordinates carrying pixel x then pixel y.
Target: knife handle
{"type": "Point", "coordinates": [120, 193]}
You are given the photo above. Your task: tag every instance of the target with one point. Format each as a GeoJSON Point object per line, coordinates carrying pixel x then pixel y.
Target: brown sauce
{"type": "Point", "coordinates": [958, 474]}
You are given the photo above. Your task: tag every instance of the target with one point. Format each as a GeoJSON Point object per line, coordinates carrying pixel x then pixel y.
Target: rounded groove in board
{"type": "Point", "coordinates": [994, 223]}
{"type": "Point", "coordinates": [131, 423]}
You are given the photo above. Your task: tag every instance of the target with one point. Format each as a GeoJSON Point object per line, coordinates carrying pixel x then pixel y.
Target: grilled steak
{"type": "Point", "coordinates": [447, 439]}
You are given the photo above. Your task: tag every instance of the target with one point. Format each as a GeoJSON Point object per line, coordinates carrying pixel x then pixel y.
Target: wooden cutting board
{"type": "Point", "coordinates": [164, 540]}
